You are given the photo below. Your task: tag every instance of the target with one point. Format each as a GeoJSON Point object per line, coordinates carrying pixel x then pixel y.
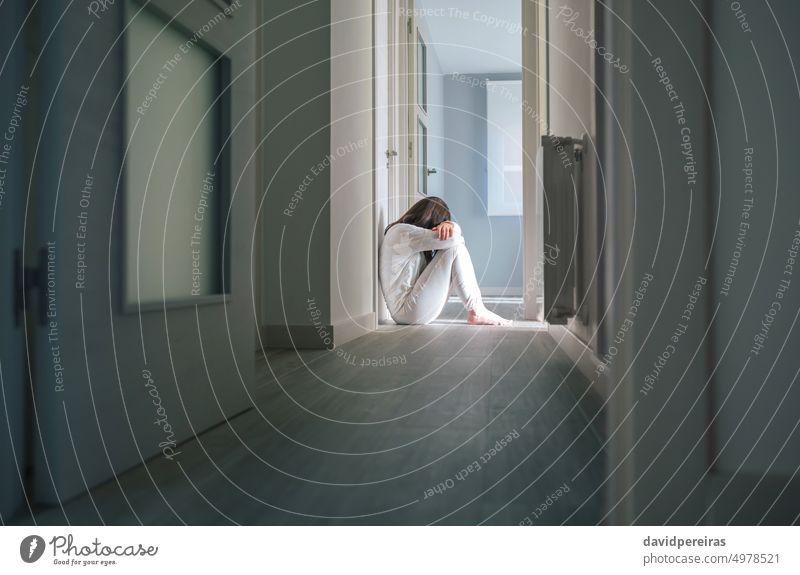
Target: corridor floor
{"type": "Point", "coordinates": [444, 424]}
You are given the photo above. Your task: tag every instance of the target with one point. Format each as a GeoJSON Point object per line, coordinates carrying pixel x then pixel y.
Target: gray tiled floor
{"type": "Point", "coordinates": [334, 442]}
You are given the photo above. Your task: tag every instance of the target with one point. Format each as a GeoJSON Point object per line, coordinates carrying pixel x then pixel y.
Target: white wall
{"type": "Point", "coordinates": [317, 135]}
{"type": "Point", "coordinates": [294, 191]}
{"type": "Point", "coordinates": [570, 68]}
{"type": "Point", "coordinates": [352, 237]}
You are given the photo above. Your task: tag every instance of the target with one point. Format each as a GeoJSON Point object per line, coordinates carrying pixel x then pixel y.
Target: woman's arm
{"type": "Point", "coordinates": [423, 240]}
{"type": "Point", "coordinates": [447, 229]}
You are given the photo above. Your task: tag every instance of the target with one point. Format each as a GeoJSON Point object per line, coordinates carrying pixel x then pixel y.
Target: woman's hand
{"type": "Point", "coordinates": [445, 230]}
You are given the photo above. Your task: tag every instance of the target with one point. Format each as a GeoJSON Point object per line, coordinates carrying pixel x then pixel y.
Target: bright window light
{"type": "Point", "coordinates": [504, 147]}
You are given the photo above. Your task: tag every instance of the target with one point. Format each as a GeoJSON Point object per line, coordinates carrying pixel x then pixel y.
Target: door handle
{"type": "Point", "coordinates": [26, 279]}
{"type": "Point", "coordinates": [19, 286]}
{"type": "Point", "coordinates": [432, 171]}
{"type": "Point", "coordinates": [391, 153]}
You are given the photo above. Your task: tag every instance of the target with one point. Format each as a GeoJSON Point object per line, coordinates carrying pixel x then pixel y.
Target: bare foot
{"type": "Point", "coordinates": [486, 317]}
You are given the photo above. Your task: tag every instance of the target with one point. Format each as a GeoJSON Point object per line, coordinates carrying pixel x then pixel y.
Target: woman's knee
{"type": "Point", "coordinates": [449, 254]}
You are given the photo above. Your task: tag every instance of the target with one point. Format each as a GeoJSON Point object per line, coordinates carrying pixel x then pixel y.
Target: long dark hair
{"type": "Point", "coordinates": [427, 213]}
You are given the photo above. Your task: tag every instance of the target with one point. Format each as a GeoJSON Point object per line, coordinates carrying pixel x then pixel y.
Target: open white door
{"type": "Point", "coordinates": [417, 106]}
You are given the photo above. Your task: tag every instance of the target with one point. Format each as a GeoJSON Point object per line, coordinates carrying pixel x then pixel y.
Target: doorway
{"type": "Point", "coordinates": [444, 80]}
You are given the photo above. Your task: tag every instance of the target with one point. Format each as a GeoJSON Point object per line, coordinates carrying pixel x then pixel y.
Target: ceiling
{"type": "Point", "coordinates": [474, 36]}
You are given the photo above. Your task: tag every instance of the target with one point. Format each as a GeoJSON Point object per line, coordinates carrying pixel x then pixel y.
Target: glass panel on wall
{"type": "Point", "coordinates": [422, 158]}
{"type": "Point", "coordinates": [422, 73]}
{"type": "Point", "coordinates": [504, 147]}
{"type": "Point", "coordinates": [176, 121]}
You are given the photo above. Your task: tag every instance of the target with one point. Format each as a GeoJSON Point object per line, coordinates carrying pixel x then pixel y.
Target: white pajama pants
{"type": "Point", "coordinates": [449, 267]}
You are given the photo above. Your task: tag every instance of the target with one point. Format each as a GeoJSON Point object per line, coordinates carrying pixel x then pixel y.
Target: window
{"type": "Point", "coordinates": [421, 115]}
{"type": "Point", "coordinates": [422, 158]}
{"type": "Point", "coordinates": [177, 119]}
{"type": "Point", "coordinates": [422, 73]}
{"type": "Point", "coordinates": [504, 147]}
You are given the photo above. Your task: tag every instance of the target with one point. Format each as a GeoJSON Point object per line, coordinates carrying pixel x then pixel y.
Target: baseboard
{"type": "Point", "coordinates": [745, 499]}
{"type": "Point", "coordinates": [317, 336]}
{"type": "Point", "coordinates": [585, 359]}
{"type": "Point", "coordinates": [353, 327]}
{"type": "Point", "coordinates": [297, 336]}
{"type": "Point", "coordinates": [501, 291]}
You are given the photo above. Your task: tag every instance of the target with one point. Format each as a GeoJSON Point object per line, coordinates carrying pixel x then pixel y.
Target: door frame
{"type": "Point", "coordinates": [385, 149]}
{"type": "Point", "coordinates": [534, 97]}
{"type": "Point", "coordinates": [403, 90]}
{"type": "Point", "coordinates": [404, 98]}
{"type": "Point", "coordinates": [397, 139]}
{"type": "Point", "coordinates": [534, 94]}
